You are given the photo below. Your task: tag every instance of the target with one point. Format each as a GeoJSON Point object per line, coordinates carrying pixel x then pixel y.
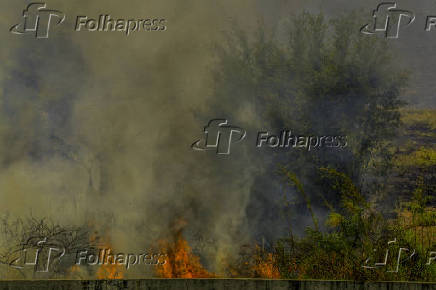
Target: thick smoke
{"type": "Point", "coordinates": [96, 127]}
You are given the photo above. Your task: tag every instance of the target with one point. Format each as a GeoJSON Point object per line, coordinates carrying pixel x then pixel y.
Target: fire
{"type": "Point", "coordinates": [110, 270]}
{"type": "Point", "coordinates": [107, 269]}
{"type": "Point", "coordinates": [181, 262]}
{"type": "Point", "coordinates": [253, 262]}
{"type": "Point", "coordinates": [265, 265]}
{"type": "Point", "coordinates": [74, 272]}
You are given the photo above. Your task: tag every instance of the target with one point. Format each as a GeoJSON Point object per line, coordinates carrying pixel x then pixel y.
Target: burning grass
{"type": "Point", "coordinates": [181, 262]}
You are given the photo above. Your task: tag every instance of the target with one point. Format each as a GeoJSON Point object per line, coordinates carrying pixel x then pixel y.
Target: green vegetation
{"type": "Point", "coordinates": [358, 236]}
{"type": "Point", "coordinates": [375, 195]}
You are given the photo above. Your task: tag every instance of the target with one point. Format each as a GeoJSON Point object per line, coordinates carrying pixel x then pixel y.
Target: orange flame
{"type": "Point", "coordinates": [181, 262]}
{"type": "Point", "coordinates": [265, 265]}
{"type": "Point", "coordinates": [253, 262]}
{"type": "Point", "coordinates": [74, 272]}
{"type": "Point", "coordinates": [110, 270]}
